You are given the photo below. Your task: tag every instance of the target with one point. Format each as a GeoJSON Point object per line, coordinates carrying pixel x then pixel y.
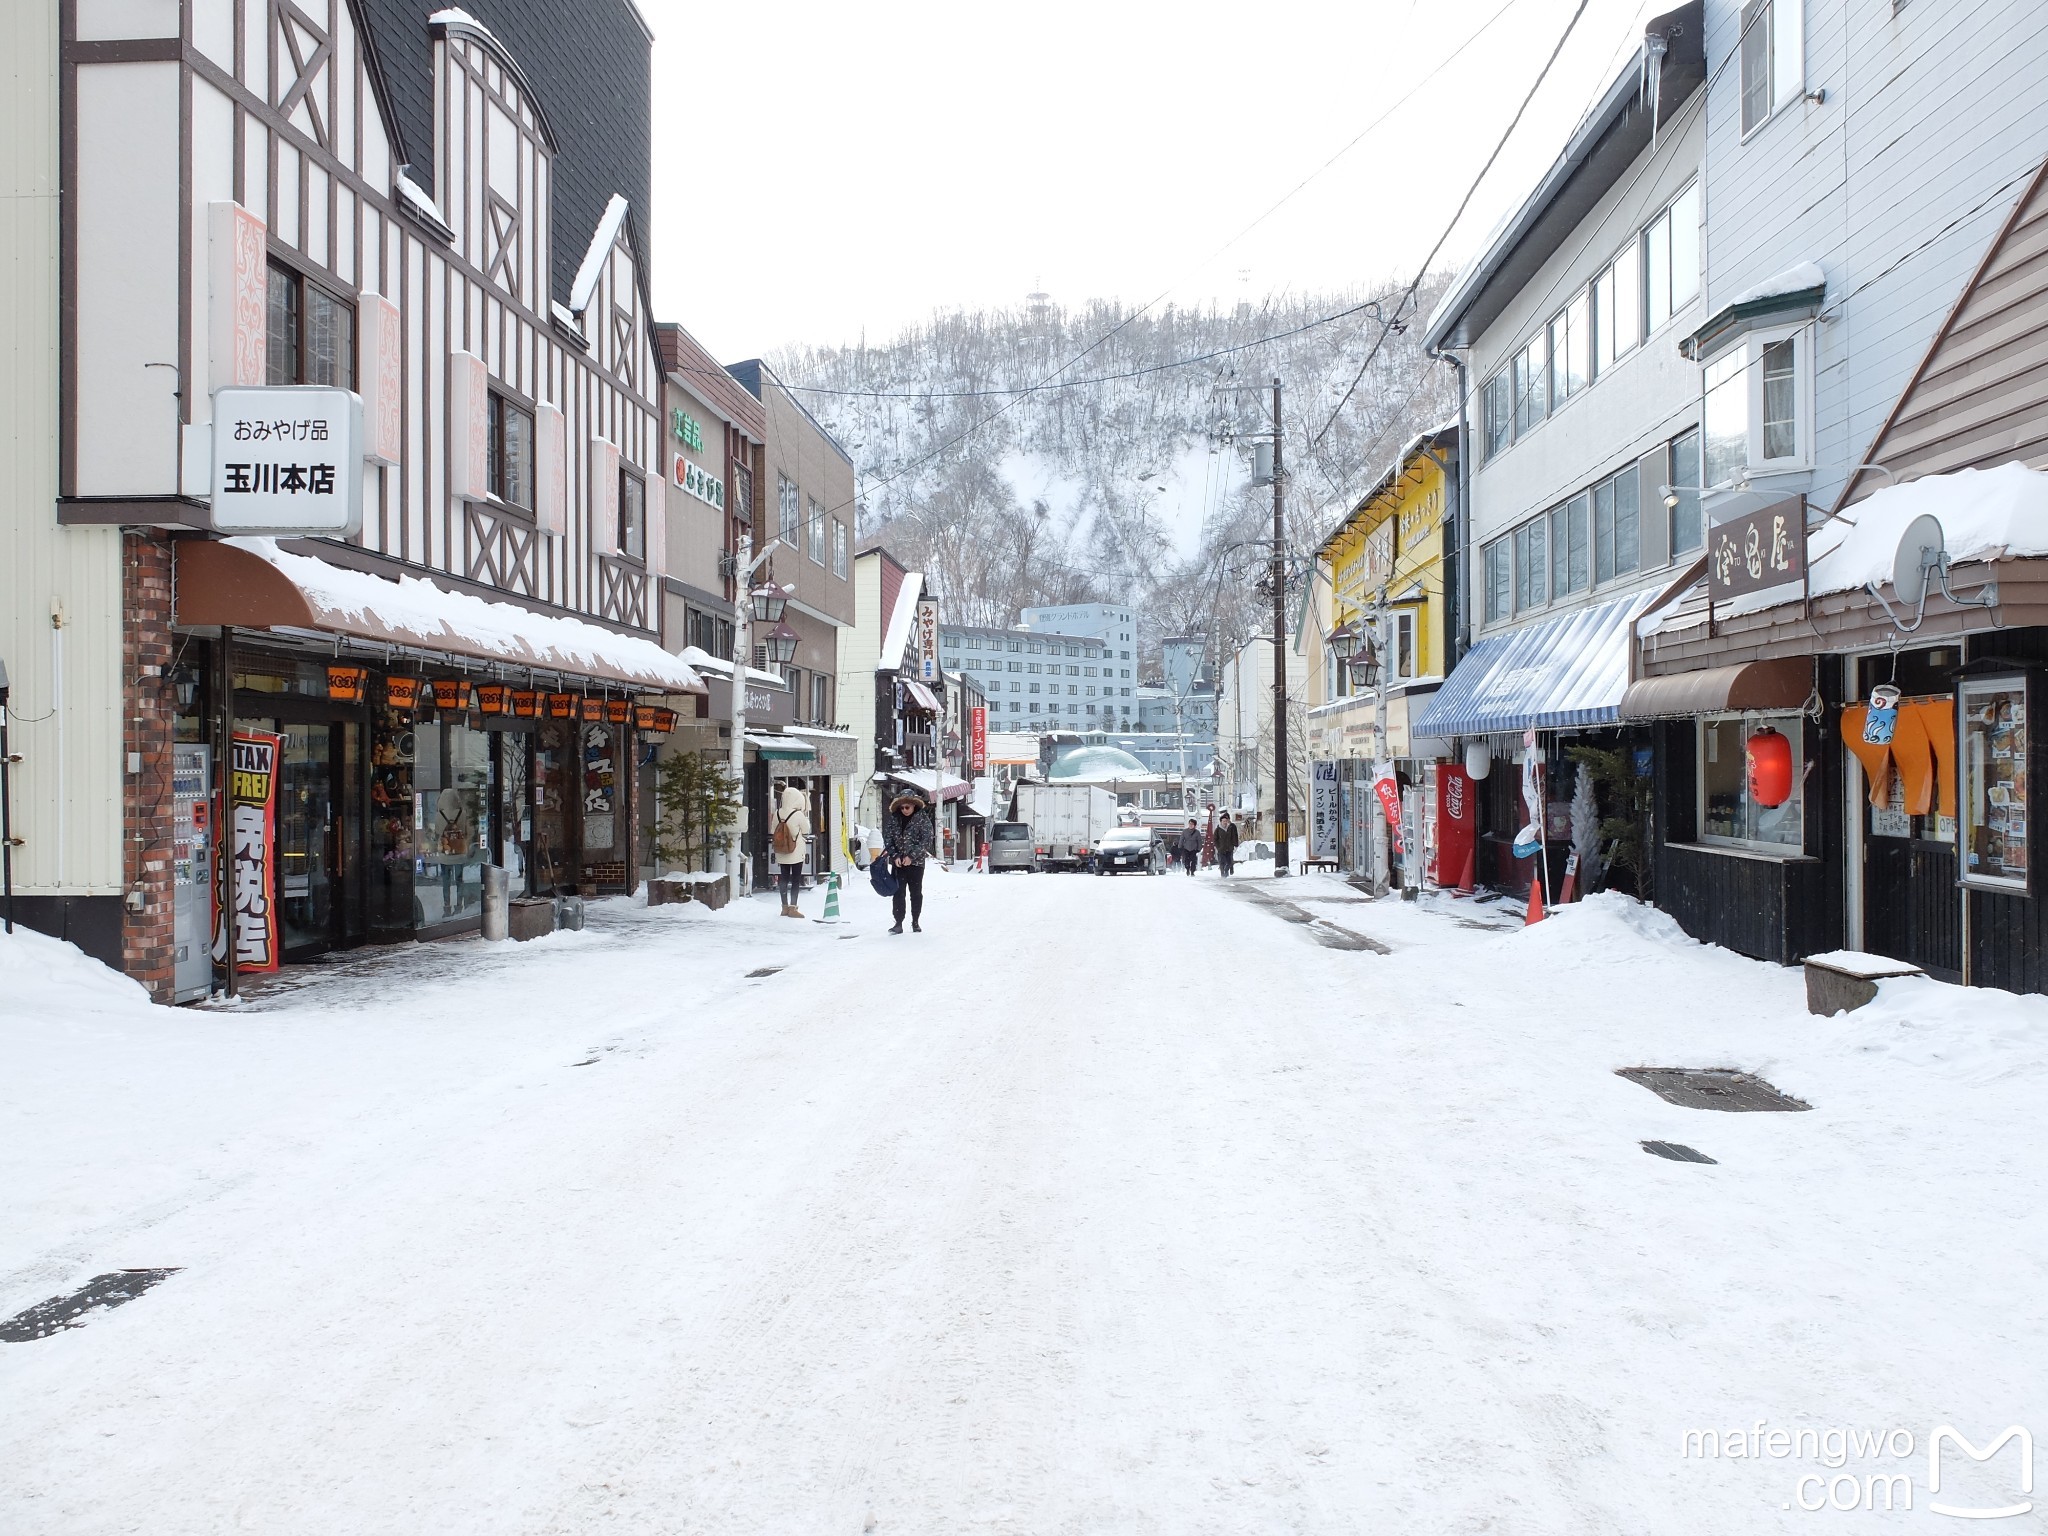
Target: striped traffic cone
{"type": "Point", "coordinates": [831, 898]}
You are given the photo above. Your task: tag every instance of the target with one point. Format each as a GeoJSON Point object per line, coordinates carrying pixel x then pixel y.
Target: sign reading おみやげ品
{"type": "Point", "coordinates": [287, 459]}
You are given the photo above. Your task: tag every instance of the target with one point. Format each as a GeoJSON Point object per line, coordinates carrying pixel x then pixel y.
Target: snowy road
{"type": "Point", "coordinates": [1103, 1206]}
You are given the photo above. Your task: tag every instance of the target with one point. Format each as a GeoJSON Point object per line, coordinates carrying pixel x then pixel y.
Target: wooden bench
{"type": "Point", "coordinates": [1309, 864]}
{"type": "Point", "coordinates": [1845, 979]}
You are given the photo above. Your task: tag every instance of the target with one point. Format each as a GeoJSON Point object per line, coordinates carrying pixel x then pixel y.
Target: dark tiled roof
{"type": "Point", "coordinates": [593, 80]}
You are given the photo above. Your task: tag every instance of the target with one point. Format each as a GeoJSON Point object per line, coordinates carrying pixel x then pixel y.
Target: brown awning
{"type": "Point", "coordinates": [255, 585]}
{"type": "Point", "coordinates": [1783, 684]}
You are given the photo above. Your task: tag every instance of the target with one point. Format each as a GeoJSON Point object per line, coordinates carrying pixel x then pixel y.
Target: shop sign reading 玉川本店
{"type": "Point", "coordinates": [287, 459]}
{"type": "Point", "coordinates": [708, 489]}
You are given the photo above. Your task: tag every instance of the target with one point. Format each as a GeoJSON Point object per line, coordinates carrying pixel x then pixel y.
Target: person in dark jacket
{"type": "Point", "coordinates": [1190, 845]}
{"type": "Point", "coordinates": [1226, 844]}
{"type": "Point", "coordinates": [906, 843]}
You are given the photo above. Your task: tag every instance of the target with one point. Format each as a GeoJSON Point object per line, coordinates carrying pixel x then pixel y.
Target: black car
{"type": "Point", "coordinates": [1137, 848]}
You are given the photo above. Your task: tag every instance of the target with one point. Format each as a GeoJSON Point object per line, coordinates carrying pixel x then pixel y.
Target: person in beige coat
{"type": "Point", "coordinates": [790, 839]}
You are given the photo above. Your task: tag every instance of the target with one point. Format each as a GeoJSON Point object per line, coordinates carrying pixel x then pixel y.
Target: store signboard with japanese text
{"type": "Point", "coordinates": [287, 460]}
{"type": "Point", "coordinates": [251, 854]}
{"type": "Point", "coordinates": [1322, 808]}
{"type": "Point", "coordinates": [1766, 548]}
{"type": "Point", "coordinates": [927, 640]}
{"type": "Point", "coordinates": [977, 740]}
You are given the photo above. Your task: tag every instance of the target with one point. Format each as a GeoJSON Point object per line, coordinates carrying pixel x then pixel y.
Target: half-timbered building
{"type": "Point", "coordinates": [445, 212]}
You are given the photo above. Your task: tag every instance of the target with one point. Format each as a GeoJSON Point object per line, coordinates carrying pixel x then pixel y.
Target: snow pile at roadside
{"type": "Point", "coordinates": [46, 978]}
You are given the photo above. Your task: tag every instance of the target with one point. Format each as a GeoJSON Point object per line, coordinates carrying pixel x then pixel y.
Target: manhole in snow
{"type": "Point", "coordinates": [766, 970]}
{"type": "Point", "coordinates": [1711, 1088]}
{"type": "Point", "coordinates": [1676, 1151]}
{"type": "Point", "coordinates": [97, 1295]}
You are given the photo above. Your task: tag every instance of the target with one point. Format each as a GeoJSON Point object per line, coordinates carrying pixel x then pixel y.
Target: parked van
{"type": "Point", "coordinates": [1010, 847]}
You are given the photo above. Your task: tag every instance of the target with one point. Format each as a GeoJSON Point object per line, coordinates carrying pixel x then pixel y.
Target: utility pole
{"type": "Point", "coordinates": [1279, 577]}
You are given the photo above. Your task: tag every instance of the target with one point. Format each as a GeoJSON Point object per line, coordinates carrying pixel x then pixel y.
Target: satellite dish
{"type": "Point", "coordinates": [1909, 567]}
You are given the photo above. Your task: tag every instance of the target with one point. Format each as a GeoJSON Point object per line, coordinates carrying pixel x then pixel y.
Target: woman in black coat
{"type": "Point", "coordinates": [907, 841]}
{"type": "Point", "coordinates": [1226, 844]}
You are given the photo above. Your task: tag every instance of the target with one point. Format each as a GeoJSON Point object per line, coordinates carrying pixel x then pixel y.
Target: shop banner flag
{"type": "Point", "coordinates": [1389, 793]}
{"type": "Point", "coordinates": [1457, 828]}
{"type": "Point", "coordinates": [1322, 809]}
{"type": "Point", "coordinates": [251, 863]}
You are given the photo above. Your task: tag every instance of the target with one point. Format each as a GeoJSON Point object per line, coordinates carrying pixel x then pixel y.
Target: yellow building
{"type": "Point", "coordinates": [1380, 572]}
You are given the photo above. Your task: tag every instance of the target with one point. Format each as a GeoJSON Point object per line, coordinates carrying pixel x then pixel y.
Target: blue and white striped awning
{"type": "Point", "coordinates": [1567, 671]}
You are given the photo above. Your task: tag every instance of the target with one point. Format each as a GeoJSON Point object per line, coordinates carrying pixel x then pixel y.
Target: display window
{"type": "Point", "coordinates": [451, 781]}
{"type": "Point", "coordinates": [1729, 812]}
{"type": "Point", "coordinates": [1994, 799]}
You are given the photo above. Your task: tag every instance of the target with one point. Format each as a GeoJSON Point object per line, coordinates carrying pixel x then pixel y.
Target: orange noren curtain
{"type": "Point", "coordinates": [1876, 760]}
{"type": "Point", "coordinates": [1937, 718]}
{"type": "Point", "coordinates": [1914, 758]}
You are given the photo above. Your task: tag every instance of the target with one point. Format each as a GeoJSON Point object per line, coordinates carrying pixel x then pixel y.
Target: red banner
{"type": "Point", "coordinates": [1390, 802]}
{"type": "Point", "coordinates": [977, 743]}
{"type": "Point", "coordinates": [250, 849]}
{"type": "Point", "coordinates": [1457, 828]}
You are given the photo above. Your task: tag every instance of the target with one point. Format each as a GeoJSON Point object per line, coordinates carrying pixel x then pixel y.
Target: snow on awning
{"type": "Point", "coordinates": [252, 584]}
{"type": "Point", "coordinates": [778, 748]}
{"type": "Point", "coordinates": [1570, 671]}
{"type": "Point", "coordinates": [933, 782]}
{"type": "Point", "coordinates": [923, 696]}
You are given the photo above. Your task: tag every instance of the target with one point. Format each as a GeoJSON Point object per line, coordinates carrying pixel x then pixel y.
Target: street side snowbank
{"type": "Point", "coordinates": [51, 981]}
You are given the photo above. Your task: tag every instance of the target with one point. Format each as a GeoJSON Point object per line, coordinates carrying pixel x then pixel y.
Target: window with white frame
{"type": "Point", "coordinates": [1500, 580]}
{"type": "Point", "coordinates": [1727, 811]}
{"type": "Point", "coordinates": [1405, 664]}
{"type": "Point", "coordinates": [840, 540]}
{"type": "Point", "coordinates": [1571, 351]}
{"type": "Point", "coordinates": [814, 539]}
{"type": "Point", "coordinates": [1671, 258]}
{"type": "Point", "coordinates": [1570, 569]}
{"type": "Point", "coordinates": [789, 509]}
{"type": "Point", "coordinates": [1682, 498]}
{"type": "Point", "coordinates": [1617, 542]}
{"type": "Point", "coordinates": [1497, 413]}
{"type": "Point", "coordinates": [1531, 566]}
{"type": "Point", "coordinates": [1531, 371]}
{"type": "Point", "coordinates": [1617, 308]}
{"type": "Point", "coordinates": [1757, 405]}
{"type": "Point", "coordinates": [632, 515]}
{"type": "Point", "coordinates": [1773, 59]}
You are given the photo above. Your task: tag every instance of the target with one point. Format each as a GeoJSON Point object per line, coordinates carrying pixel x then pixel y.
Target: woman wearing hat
{"type": "Point", "coordinates": [906, 844]}
{"type": "Point", "coordinates": [791, 845]}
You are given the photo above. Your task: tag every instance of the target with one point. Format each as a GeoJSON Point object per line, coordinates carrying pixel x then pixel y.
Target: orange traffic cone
{"type": "Point", "coordinates": [1535, 914]}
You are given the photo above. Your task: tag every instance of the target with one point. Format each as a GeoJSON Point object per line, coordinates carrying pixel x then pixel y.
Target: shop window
{"type": "Point", "coordinates": [510, 452]}
{"type": "Point", "coordinates": [632, 516]}
{"type": "Point", "coordinates": [840, 540]}
{"type": "Point", "coordinates": [1570, 568]}
{"type": "Point", "coordinates": [1773, 59]}
{"type": "Point", "coordinates": [1757, 405]}
{"type": "Point", "coordinates": [1500, 578]}
{"type": "Point", "coordinates": [1994, 795]}
{"type": "Point", "coordinates": [311, 333]}
{"type": "Point", "coordinates": [1617, 549]}
{"type": "Point", "coordinates": [1531, 566]}
{"type": "Point", "coordinates": [1683, 498]}
{"type": "Point", "coordinates": [814, 534]}
{"type": "Point", "coordinates": [789, 509]}
{"type": "Point", "coordinates": [450, 818]}
{"type": "Point", "coordinates": [1727, 814]}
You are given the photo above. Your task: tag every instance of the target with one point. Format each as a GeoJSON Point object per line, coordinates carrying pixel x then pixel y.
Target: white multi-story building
{"type": "Point", "coordinates": [1039, 680]}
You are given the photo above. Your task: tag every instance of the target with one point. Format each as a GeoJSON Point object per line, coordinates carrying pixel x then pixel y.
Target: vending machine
{"type": "Point", "coordinates": [192, 842]}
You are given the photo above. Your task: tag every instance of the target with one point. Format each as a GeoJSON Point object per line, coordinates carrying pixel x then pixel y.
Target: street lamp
{"type": "Point", "coordinates": [1345, 641]}
{"type": "Point", "coordinates": [781, 641]}
{"type": "Point", "coordinates": [769, 601]}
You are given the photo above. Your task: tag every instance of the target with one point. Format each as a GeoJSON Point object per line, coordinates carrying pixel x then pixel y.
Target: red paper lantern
{"type": "Point", "coordinates": [1769, 754]}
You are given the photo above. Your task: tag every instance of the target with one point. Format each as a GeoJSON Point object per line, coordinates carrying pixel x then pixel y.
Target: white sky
{"type": "Point", "coordinates": [821, 170]}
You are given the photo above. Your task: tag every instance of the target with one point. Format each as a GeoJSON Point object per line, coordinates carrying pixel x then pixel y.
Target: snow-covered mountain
{"type": "Point", "coordinates": [1046, 454]}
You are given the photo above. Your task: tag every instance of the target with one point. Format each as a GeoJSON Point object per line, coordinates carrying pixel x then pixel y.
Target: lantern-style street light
{"type": "Point", "coordinates": [781, 640]}
{"type": "Point", "coordinates": [769, 601]}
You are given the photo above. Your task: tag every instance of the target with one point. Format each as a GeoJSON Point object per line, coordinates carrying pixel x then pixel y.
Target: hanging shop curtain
{"type": "Point", "coordinates": [1922, 752]}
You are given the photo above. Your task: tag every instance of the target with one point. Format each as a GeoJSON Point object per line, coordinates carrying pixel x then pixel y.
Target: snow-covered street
{"type": "Point", "coordinates": [1102, 1206]}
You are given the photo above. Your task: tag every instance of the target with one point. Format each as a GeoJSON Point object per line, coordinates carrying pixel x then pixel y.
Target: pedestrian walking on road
{"type": "Point", "coordinates": [1190, 845]}
{"type": "Point", "coordinates": [1226, 844]}
{"type": "Point", "coordinates": [906, 844]}
{"type": "Point", "coordinates": [792, 845]}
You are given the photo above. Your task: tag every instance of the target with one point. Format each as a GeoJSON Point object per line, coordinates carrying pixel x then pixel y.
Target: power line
{"type": "Point", "coordinates": [1387, 326]}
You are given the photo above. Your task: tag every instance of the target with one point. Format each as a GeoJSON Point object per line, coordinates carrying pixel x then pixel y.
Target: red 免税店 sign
{"type": "Point", "coordinates": [1457, 828]}
{"type": "Point", "coordinates": [977, 740]}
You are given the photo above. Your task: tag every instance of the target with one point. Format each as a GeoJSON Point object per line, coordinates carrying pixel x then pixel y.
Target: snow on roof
{"type": "Point", "coordinates": [704, 661]}
{"type": "Point", "coordinates": [503, 629]}
{"type": "Point", "coordinates": [896, 633]}
{"type": "Point", "coordinates": [594, 259]}
{"type": "Point", "coordinates": [1985, 514]}
{"type": "Point", "coordinates": [1801, 278]}
{"type": "Point", "coordinates": [457, 17]}
{"type": "Point", "coordinates": [419, 200]}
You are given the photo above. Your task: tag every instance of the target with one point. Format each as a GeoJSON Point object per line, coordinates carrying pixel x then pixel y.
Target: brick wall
{"type": "Point", "coordinates": [149, 714]}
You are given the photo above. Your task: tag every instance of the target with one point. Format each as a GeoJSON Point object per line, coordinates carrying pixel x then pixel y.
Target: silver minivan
{"type": "Point", "coordinates": [1009, 847]}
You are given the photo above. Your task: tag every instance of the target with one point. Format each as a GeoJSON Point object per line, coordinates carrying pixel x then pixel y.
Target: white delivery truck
{"type": "Point", "coordinates": [1067, 821]}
